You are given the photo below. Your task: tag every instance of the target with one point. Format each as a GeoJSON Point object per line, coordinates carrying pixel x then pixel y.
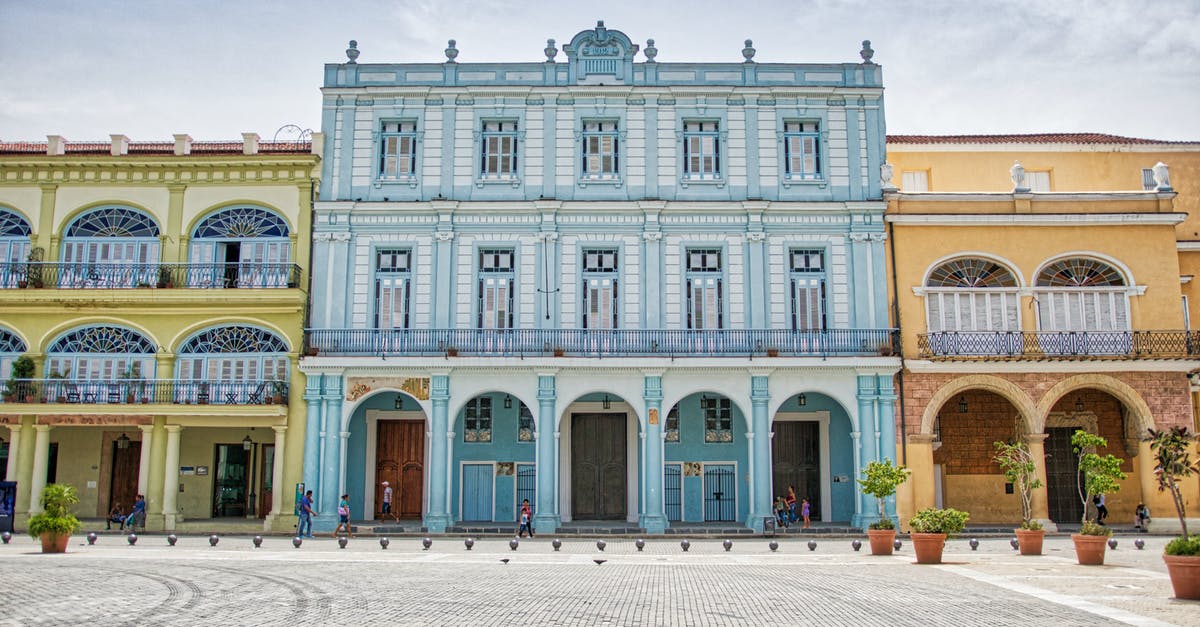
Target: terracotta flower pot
{"type": "Point", "coordinates": [1089, 550]}
{"type": "Point", "coordinates": [55, 542]}
{"type": "Point", "coordinates": [1030, 540]}
{"type": "Point", "coordinates": [928, 547]}
{"type": "Point", "coordinates": [1185, 575]}
{"type": "Point", "coordinates": [881, 540]}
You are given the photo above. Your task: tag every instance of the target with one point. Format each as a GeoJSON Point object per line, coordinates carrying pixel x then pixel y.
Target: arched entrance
{"type": "Point", "coordinates": [706, 460]}
{"type": "Point", "coordinates": [811, 450]}
{"type": "Point", "coordinates": [387, 443]}
{"type": "Point", "coordinates": [599, 459]}
{"type": "Point", "coordinates": [966, 475]}
{"type": "Point", "coordinates": [493, 458]}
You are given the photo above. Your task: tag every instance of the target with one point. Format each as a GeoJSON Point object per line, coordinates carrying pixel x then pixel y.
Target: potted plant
{"type": "Point", "coordinates": [1097, 475]}
{"type": "Point", "coordinates": [58, 388]}
{"type": "Point", "coordinates": [1019, 469]}
{"type": "Point", "coordinates": [55, 524]}
{"type": "Point", "coordinates": [278, 391]}
{"type": "Point", "coordinates": [880, 480]}
{"type": "Point", "coordinates": [930, 528]}
{"type": "Point", "coordinates": [18, 380]}
{"type": "Point", "coordinates": [164, 278]}
{"type": "Point", "coordinates": [1172, 464]}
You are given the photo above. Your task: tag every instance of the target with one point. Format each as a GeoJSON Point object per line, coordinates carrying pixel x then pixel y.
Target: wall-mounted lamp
{"type": "Point", "coordinates": [507, 401]}
{"type": "Point", "coordinates": [399, 402]}
{"type": "Point", "coordinates": [802, 400]}
{"type": "Point", "coordinates": [247, 443]}
{"type": "Point", "coordinates": [1079, 404]}
{"type": "Point", "coordinates": [606, 403]}
{"type": "Point", "coordinates": [123, 442]}
{"type": "Point", "coordinates": [962, 404]}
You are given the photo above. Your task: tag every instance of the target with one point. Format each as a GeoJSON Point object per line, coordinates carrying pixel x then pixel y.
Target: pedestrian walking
{"type": "Point", "coordinates": [1101, 508]}
{"type": "Point", "coordinates": [304, 528]}
{"type": "Point", "coordinates": [343, 516]}
{"type": "Point", "coordinates": [526, 520]}
{"type": "Point", "coordinates": [387, 502]}
{"type": "Point", "coordinates": [805, 510]}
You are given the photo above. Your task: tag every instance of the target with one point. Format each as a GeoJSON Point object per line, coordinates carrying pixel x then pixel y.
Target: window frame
{"type": "Point", "coordinates": [401, 133]}
{"type": "Point", "coordinates": [484, 274]}
{"type": "Point", "coordinates": [380, 275]}
{"type": "Point", "coordinates": [479, 434]}
{"type": "Point", "coordinates": [617, 136]}
{"type": "Point", "coordinates": [690, 276]}
{"type": "Point", "coordinates": [482, 174]}
{"type": "Point", "coordinates": [818, 174]}
{"type": "Point", "coordinates": [716, 411]}
{"type": "Point", "coordinates": [821, 275]}
{"type": "Point", "coordinates": [716, 134]}
{"type": "Point", "coordinates": [587, 275]}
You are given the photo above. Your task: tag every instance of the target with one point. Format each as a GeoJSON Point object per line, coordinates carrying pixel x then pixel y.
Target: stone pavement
{"type": "Point", "coordinates": [233, 583]}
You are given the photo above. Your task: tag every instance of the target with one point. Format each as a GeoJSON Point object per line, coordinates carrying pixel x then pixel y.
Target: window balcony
{"type": "Point", "coordinates": [1019, 345]}
{"type": "Point", "coordinates": [602, 343]}
{"type": "Point", "coordinates": [145, 392]}
{"type": "Point", "coordinates": [107, 276]}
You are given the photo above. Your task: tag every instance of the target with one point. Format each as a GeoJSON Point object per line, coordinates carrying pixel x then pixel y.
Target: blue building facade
{"type": "Point", "coordinates": [621, 289]}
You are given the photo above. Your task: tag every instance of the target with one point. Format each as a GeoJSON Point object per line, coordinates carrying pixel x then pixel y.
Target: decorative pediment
{"type": "Point", "coordinates": [600, 56]}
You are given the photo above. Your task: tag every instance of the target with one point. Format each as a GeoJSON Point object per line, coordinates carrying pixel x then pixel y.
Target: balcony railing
{"type": "Point", "coordinates": [107, 276]}
{"type": "Point", "coordinates": [1059, 345]}
{"type": "Point", "coordinates": [600, 343]}
{"type": "Point", "coordinates": [146, 392]}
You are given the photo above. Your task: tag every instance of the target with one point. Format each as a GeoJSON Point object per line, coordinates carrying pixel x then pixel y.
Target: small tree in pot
{"type": "Point", "coordinates": [930, 528]}
{"type": "Point", "coordinates": [880, 480]}
{"type": "Point", "coordinates": [55, 524]}
{"type": "Point", "coordinates": [1020, 469]}
{"type": "Point", "coordinates": [1172, 464]}
{"type": "Point", "coordinates": [1097, 475]}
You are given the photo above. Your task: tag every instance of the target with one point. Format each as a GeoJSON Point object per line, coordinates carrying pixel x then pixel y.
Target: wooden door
{"type": "Point", "coordinates": [123, 488]}
{"type": "Point", "coordinates": [266, 480]}
{"type": "Point", "coordinates": [400, 460]}
{"type": "Point", "coordinates": [796, 449]}
{"type": "Point", "coordinates": [598, 466]}
{"type": "Point", "coordinates": [1062, 476]}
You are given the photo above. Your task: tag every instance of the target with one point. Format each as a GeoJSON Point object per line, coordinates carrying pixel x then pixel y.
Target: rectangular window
{"type": "Point", "coordinates": [499, 145]}
{"type": "Point", "coordinates": [477, 420]}
{"type": "Point", "coordinates": [914, 181]}
{"type": "Point", "coordinates": [1148, 182]}
{"type": "Point", "coordinates": [802, 152]}
{"type": "Point", "coordinates": [1038, 181]}
{"type": "Point", "coordinates": [671, 430]}
{"type": "Point", "coordinates": [524, 424]}
{"type": "Point", "coordinates": [496, 276]}
{"type": "Point", "coordinates": [600, 282]}
{"type": "Point", "coordinates": [398, 150]}
{"type": "Point", "coordinates": [718, 419]}
{"type": "Point", "coordinates": [704, 294]}
{"type": "Point", "coordinates": [601, 150]}
{"type": "Point", "coordinates": [392, 282]}
{"type": "Point", "coordinates": [701, 150]}
{"type": "Point", "coordinates": [808, 289]}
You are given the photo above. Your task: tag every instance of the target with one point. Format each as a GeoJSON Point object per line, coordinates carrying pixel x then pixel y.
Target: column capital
{"type": "Point", "coordinates": [279, 428]}
{"type": "Point", "coordinates": [922, 438]}
{"type": "Point", "coordinates": [345, 435]}
{"type": "Point", "coordinates": [146, 429]}
{"type": "Point", "coordinates": [15, 428]}
{"type": "Point", "coordinates": [856, 435]}
{"type": "Point", "coordinates": [1035, 438]}
{"type": "Point", "coordinates": [173, 428]}
{"type": "Point", "coordinates": [42, 428]}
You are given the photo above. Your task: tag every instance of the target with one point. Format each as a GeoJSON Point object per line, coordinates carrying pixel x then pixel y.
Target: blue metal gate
{"type": "Point", "coordinates": [720, 498]}
{"type": "Point", "coordinates": [673, 491]}
{"type": "Point", "coordinates": [526, 487]}
{"type": "Point", "coordinates": [477, 492]}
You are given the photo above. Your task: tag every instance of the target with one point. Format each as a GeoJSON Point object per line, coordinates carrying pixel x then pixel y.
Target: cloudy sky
{"type": "Point", "coordinates": [217, 68]}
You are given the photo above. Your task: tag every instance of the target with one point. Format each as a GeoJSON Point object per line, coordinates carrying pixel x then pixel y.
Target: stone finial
{"type": "Point", "coordinates": [250, 143]}
{"type": "Point", "coordinates": [352, 53]}
{"type": "Point", "coordinates": [867, 53]}
{"type": "Point", "coordinates": [550, 51]}
{"type": "Point", "coordinates": [56, 145]}
{"type": "Point", "coordinates": [451, 51]}
{"type": "Point", "coordinates": [1162, 177]}
{"type": "Point", "coordinates": [183, 144]}
{"type": "Point", "coordinates": [748, 51]}
{"type": "Point", "coordinates": [1017, 172]}
{"type": "Point", "coordinates": [120, 145]}
{"type": "Point", "coordinates": [651, 51]}
{"type": "Point", "coordinates": [886, 173]}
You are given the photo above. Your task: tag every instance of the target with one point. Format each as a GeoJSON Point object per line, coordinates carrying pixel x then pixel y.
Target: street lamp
{"type": "Point", "coordinates": [247, 443]}
{"type": "Point", "coordinates": [507, 401]}
{"type": "Point", "coordinates": [1079, 404]}
{"type": "Point", "coordinates": [399, 402]}
{"type": "Point", "coordinates": [802, 400]}
{"type": "Point", "coordinates": [123, 442]}
{"type": "Point", "coordinates": [962, 404]}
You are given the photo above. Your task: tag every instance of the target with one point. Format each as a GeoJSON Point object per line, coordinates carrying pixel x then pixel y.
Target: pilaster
{"type": "Point", "coordinates": [437, 518]}
{"type": "Point", "coordinates": [1040, 501]}
{"type": "Point", "coordinates": [653, 518]}
{"type": "Point", "coordinates": [41, 457]}
{"type": "Point", "coordinates": [170, 511]}
{"type": "Point", "coordinates": [760, 452]}
{"type": "Point", "coordinates": [331, 460]}
{"type": "Point", "coordinates": [547, 517]}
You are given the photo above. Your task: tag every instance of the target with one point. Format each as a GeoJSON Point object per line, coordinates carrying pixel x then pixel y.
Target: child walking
{"type": "Point", "coordinates": [526, 520]}
{"type": "Point", "coordinates": [805, 510]}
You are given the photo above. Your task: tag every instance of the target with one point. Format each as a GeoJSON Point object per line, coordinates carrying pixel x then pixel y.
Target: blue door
{"type": "Point", "coordinates": [673, 491]}
{"type": "Point", "coordinates": [477, 492]}
{"type": "Point", "coordinates": [720, 498]}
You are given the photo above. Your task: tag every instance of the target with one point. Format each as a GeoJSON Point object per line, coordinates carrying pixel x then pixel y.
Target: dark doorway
{"type": "Point", "coordinates": [122, 489]}
{"type": "Point", "coordinates": [598, 466]}
{"type": "Point", "coordinates": [400, 461]}
{"type": "Point", "coordinates": [266, 480]}
{"type": "Point", "coordinates": [796, 448]}
{"type": "Point", "coordinates": [232, 462]}
{"type": "Point", "coordinates": [1062, 476]}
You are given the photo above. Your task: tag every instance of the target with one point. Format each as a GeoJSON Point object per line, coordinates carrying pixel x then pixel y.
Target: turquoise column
{"type": "Point", "coordinates": [886, 409]}
{"type": "Point", "coordinates": [312, 433]}
{"type": "Point", "coordinates": [437, 518]}
{"type": "Point", "coordinates": [331, 462]}
{"type": "Point", "coordinates": [867, 511]}
{"type": "Point", "coordinates": [760, 453]}
{"type": "Point", "coordinates": [546, 517]}
{"type": "Point", "coordinates": [653, 519]}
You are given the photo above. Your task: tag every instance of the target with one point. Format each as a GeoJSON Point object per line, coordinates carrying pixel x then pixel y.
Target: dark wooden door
{"type": "Point", "coordinates": [123, 489]}
{"type": "Point", "coordinates": [266, 480]}
{"type": "Point", "coordinates": [796, 448]}
{"type": "Point", "coordinates": [598, 466]}
{"type": "Point", "coordinates": [1062, 477]}
{"type": "Point", "coordinates": [400, 460]}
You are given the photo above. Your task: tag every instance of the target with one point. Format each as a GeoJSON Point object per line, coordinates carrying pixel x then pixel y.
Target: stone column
{"type": "Point", "coordinates": [653, 520]}
{"type": "Point", "coordinates": [171, 478]}
{"type": "Point", "coordinates": [885, 412]}
{"type": "Point", "coordinates": [437, 518]}
{"type": "Point", "coordinates": [144, 462]}
{"type": "Point", "coordinates": [546, 517]}
{"type": "Point", "coordinates": [1040, 503]}
{"type": "Point", "coordinates": [41, 458]}
{"type": "Point", "coordinates": [312, 432]}
{"type": "Point", "coordinates": [331, 461]}
{"type": "Point", "coordinates": [277, 487]}
{"type": "Point", "coordinates": [14, 446]}
{"type": "Point", "coordinates": [921, 483]}
{"type": "Point", "coordinates": [760, 453]}
{"type": "Point", "coordinates": [867, 448]}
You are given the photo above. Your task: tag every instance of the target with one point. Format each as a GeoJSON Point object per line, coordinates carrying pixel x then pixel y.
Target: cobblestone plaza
{"type": "Point", "coordinates": [233, 583]}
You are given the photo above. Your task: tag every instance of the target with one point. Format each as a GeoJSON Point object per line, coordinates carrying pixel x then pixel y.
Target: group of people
{"type": "Point", "coordinates": [134, 519]}
{"type": "Point", "coordinates": [785, 509]}
{"type": "Point", "coordinates": [304, 528]}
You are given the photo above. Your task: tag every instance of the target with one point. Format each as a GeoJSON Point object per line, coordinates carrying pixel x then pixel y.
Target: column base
{"type": "Point", "coordinates": [325, 523]}
{"type": "Point", "coordinates": [863, 521]}
{"type": "Point", "coordinates": [756, 519]}
{"type": "Point", "coordinates": [654, 523]}
{"type": "Point", "coordinates": [546, 523]}
{"type": "Point", "coordinates": [156, 522]}
{"type": "Point", "coordinates": [437, 523]}
{"type": "Point", "coordinates": [170, 521]}
{"type": "Point", "coordinates": [274, 522]}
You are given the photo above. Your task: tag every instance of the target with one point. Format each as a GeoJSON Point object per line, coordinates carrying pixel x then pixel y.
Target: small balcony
{"type": "Point", "coordinates": [145, 392]}
{"type": "Point", "coordinates": [1020, 345]}
{"type": "Point", "coordinates": [119, 276]}
{"type": "Point", "coordinates": [602, 343]}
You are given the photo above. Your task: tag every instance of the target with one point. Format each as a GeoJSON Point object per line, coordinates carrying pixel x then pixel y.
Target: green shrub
{"type": "Point", "coordinates": [56, 517]}
{"type": "Point", "coordinates": [948, 521]}
{"type": "Point", "coordinates": [1184, 546]}
{"type": "Point", "coordinates": [1090, 528]}
{"type": "Point", "coordinates": [880, 480]}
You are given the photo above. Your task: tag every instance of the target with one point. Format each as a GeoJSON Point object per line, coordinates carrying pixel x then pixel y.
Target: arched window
{"type": "Point", "coordinates": [1082, 294]}
{"type": "Point", "coordinates": [111, 247]}
{"type": "Point", "coordinates": [14, 247]}
{"type": "Point", "coordinates": [241, 247]}
{"type": "Point", "coordinates": [972, 294]}
{"type": "Point", "coordinates": [11, 347]}
{"type": "Point", "coordinates": [239, 363]}
{"type": "Point", "coordinates": [101, 353]}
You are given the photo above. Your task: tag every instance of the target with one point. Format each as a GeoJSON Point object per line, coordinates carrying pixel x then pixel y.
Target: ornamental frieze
{"type": "Point", "coordinates": [417, 387]}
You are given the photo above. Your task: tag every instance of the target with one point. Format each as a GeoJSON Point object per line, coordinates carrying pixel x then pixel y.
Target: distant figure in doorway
{"type": "Point", "coordinates": [387, 502]}
{"type": "Point", "coordinates": [791, 504]}
{"type": "Point", "coordinates": [781, 511]}
{"type": "Point", "coordinates": [115, 516]}
{"type": "Point", "coordinates": [805, 510]}
{"type": "Point", "coordinates": [1101, 508]}
{"type": "Point", "coordinates": [343, 516]}
{"type": "Point", "coordinates": [526, 520]}
{"type": "Point", "coordinates": [1141, 517]}
{"type": "Point", "coordinates": [137, 517]}
{"type": "Point", "coordinates": [304, 529]}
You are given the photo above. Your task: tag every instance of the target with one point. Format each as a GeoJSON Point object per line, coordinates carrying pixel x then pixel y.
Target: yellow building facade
{"type": "Point", "coordinates": [158, 291]}
{"type": "Point", "coordinates": [1041, 284]}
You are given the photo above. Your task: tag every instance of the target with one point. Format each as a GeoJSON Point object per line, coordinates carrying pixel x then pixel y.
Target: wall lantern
{"type": "Point", "coordinates": [802, 400]}
{"type": "Point", "coordinates": [399, 402]}
{"type": "Point", "coordinates": [606, 403]}
{"type": "Point", "coordinates": [247, 443]}
{"type": "Point", "coordinates": [507, 401]}
{"type": "Point", "coordinates": [123, 442]}
{"type": "Point", "coordinates": [1079, 404]}
{"type": "Point", "coordinates": [962, 404]}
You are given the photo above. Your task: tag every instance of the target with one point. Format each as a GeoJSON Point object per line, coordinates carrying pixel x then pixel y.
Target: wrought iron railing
{"type": "Point", "coordinates": [145, 392]}
{"type": "Point", "coordinates": [1058, 344]}
{"type": "Point", "coordinates": [36, 274]}
{"type": "Point", "coordinates": [599, 343]}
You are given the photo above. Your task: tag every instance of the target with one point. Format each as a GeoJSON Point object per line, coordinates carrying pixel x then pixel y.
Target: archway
{"type": "Point", "coordinates": [493, 458]}
{"type": "Point", "coordinates": [706, 460]}
{"type": "Point", "coordinates": [811, 451]}
{"type": "Point", "coordinates": [598, 463]}
{"type": "Point", "coordinates": [966, 475]}
{"type": "Point", "coordinates": [387, 443]}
